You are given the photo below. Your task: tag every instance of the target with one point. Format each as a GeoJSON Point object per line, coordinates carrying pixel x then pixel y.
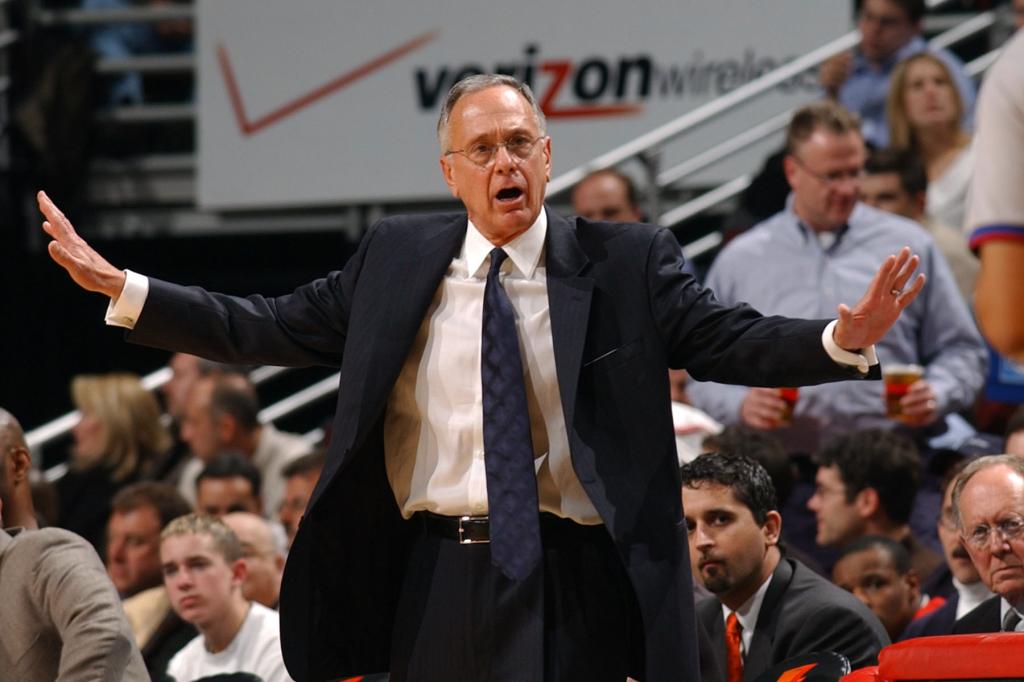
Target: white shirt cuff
{"type": "Point", "coordinates": [862, 361]}
{"type": "Point", "coordinates": [124, 310]}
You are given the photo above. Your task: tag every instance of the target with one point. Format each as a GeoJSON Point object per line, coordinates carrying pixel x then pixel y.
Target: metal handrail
{"type": "Point", "coordinates": [964, 30]}
{"type": "Point", "coordinates": [776, 123]}
{"type": "Point", "coordinates": [708, 242]}
{"type": "Point", "coordinates": [150, 63]}
{"type": "Point", "coordinates": [8, 37]}
{"type": "Point", "coordinates": [147, 113]}
{"type": "Point", "coordinates": [975, 68]}
{"type": "Point", "coordinates": [82, 17]}
{"type": "Point", "coordinates": [152, 381]}
{"type": "Point", "coordinates": [757, 133]}
{"type": "Point", "coordinates": [705, 201]}
{"type": "Point", "coordinates": [724, 149]}
{"type": "Point", "coordinates": [306, 396]}
{"type": "Point", "coordinates": [56, 428]}
{"type": "Point", "coordinates": [702, 114]}
{"type": "Point", "coordinates": [52, 430]}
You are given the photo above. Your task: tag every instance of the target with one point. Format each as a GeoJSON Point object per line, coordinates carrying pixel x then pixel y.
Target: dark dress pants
{"type": "Point", "coordinates": [574, 618]}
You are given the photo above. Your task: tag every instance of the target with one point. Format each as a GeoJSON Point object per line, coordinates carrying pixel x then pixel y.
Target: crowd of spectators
{"type": "Point", "coordinates": [215, 582]}
{"type": "Point", "coordinates": [822, 516]}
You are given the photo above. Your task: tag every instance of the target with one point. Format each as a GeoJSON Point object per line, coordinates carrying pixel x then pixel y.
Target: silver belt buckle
{"type": "Point", "coordinates": [463, 540]}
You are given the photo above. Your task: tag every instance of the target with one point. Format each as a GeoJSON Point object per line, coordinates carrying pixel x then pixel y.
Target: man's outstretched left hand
{"type": "Point", "coordinates": [875, 313]}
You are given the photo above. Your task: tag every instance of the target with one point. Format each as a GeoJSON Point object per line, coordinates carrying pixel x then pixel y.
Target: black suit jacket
{"type": "Point", "coordinates": [983, 618]}
{"type": "Point", "coordinates": [802, 613]}
{"type": "Point", "coordinates": [622, 311]}
{"type": "Point", "coordinates": [938, 622]}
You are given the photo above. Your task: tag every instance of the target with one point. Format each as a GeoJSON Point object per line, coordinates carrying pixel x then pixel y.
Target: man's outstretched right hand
{"type": "Point", "coordinates": [88, 269]}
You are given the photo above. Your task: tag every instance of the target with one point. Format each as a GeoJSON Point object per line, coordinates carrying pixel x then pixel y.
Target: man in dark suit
{"type": "Point", "coordinates": [966, 589]}
{"type": "Point", "coordinates": [985, 618]}
{"type": "Point", "coordinates": [988, 500]}
{"type": "Point", "coordinates": [601, 310]}
{"type": "Point", "coordinates": [767, 608]}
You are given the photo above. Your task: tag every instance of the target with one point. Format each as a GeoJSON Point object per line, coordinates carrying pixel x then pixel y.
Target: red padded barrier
{"type": "Point", "coordinates": [954, 657]}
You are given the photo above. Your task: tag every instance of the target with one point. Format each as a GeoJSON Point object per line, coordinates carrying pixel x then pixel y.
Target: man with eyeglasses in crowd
{"type": "Point", "coordinates": [544, 342]}
{"type": "Point", "coordinates": [817, 252]}
{"type": "Point", "coordinates": [988, 499]}
{"type": "Point", "coordinates": [958, 579]}
{"type": "Point", "coordinates": [890, 32]}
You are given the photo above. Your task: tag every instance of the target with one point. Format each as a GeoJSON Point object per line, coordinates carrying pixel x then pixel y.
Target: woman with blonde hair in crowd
{"type": "Point", "coordinates": [925, 112]}
{"type": "Point", "coordinates": [118, 434]}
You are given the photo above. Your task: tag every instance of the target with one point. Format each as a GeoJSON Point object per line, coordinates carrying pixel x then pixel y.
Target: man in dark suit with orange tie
{"type": "Point", "coordinates": [767, 607]}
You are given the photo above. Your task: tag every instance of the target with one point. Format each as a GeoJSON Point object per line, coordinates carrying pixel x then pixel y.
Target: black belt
{"type": "Point", "coordinates": [468, 530]}
{"type": "Point", "coordinates": [475, 530]}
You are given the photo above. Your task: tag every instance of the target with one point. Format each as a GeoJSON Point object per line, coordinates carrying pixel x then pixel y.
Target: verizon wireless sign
{"type": "Point", "coordinates": [318, 102]}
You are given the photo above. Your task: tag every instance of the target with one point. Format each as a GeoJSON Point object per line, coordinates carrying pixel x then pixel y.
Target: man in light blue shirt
{"type": "Point", "coordinates": [808, 258]}
{"type": "Point", "coordinates": [859, 80]}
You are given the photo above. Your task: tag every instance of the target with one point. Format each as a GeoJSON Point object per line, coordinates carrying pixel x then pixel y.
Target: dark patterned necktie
{"type": "Point", "coordinates": [508, 448]}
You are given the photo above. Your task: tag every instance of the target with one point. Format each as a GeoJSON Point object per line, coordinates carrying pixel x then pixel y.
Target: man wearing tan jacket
{"type": "Point", "coordinates": [61, 616]}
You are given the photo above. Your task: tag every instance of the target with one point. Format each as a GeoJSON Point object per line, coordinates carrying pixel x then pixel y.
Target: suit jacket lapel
{"type": "Point", "coordinates": [709, 612]}
{"type": "Point", "coordinates": [569, 303]}
{"type": "Point", "coordinates": [993, 614]}
{"type": "Point", "coordinates": [760, 655]}
{"type": "Point", "coordinates": [417, 271]}
{"type": "Point", "coordinates": [401, 296]}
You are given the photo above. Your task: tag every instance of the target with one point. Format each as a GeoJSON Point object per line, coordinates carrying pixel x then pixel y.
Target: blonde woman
{"type": "Point", "coordinates": [924, 111]}
{"type": "Point", "coordinates": [118, 434]}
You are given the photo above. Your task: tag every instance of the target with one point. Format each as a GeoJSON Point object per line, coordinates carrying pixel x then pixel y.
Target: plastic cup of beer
{"type": "Point", "coordinates": [898, 379]}
{"type": "Point", "coordinates": [789, 396]}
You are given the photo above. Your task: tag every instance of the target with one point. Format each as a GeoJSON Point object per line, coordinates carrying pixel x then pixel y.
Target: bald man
{"type": "Point", "coordinates": [262, 554]}
{"type": "Point", "coordinates": [15, 466]}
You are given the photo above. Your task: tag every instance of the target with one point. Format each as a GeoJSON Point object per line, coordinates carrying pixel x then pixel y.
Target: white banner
{"type": "Point", "coordinates": [319, 102]}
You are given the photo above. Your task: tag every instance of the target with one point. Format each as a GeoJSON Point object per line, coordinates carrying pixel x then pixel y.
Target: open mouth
{"type": "Point", "coordinates": [509, 194]}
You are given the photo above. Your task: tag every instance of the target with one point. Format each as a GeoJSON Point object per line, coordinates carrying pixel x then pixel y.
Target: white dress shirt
{"type": "Point", "coordinates": [748, 613]}
{"type": "Point", "coordinates": [433, 428]}
{"type": "Point", "coordinates": [969, 596]}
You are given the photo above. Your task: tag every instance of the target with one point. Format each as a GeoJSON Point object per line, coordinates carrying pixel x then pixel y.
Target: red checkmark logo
{"type": "Point", "coordinates": [251, 126]}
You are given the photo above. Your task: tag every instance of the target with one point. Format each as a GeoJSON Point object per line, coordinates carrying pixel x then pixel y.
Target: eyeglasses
{"type": "Point", "coordinates": [832, 179]}
{"type": "Point", "coordinates": [519, 147]}
{"type": "Point", "coordinates": [828, 491]}
{"type": "Point", "coordinates": [1008, 529]}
